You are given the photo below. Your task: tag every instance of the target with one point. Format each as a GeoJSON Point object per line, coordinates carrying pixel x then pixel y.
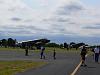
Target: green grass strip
{"type": "Point", "coordinates": [13, 67]}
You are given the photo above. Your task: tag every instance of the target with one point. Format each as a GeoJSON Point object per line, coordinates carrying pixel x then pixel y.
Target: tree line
{"type": "Point", "coordinates": [66, 45]}
{"type": "Point", "coordinates": [8, 42]}
{"type": "Point", "coordinates": [13, 43]}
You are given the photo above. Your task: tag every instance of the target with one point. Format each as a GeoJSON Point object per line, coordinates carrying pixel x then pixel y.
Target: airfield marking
{"type": "Point", "coordinates": [76, 69]}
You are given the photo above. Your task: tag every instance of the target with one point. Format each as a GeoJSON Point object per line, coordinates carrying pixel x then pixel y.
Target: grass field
{"type": "Point", "coordinates": [10, 49]}
{"type": "Point", "coordinates": [13, 67]}
{"type": "Point", "coordinates": [48, 49]}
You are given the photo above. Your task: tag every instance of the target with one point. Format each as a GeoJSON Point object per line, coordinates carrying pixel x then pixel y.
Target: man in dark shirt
{"type": "Point", "coordinates": [26, 51]}
{"type": "Point", "coordinates": [54, 54]}
{"type": "Point", "coordinates": [83, 54]}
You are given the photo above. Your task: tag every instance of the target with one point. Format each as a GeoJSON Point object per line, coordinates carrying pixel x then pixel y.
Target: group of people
{"type": "Point", "coordinates": [42, 55]}
{"type": "Point", "coordinates": [83, 54]}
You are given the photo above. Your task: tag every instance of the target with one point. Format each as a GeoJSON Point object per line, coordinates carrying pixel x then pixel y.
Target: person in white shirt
{"type": "Point", "coordinates": [96, 51]}
{"type": "Point", "coordinates": [42, 52]}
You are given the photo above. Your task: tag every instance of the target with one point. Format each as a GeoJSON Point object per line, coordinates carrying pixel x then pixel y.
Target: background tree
{"type": "Point", "coordinates": [61, 46]}
{"type": "Point", "coordinates": [4, 42]}
{"type": "Point", "coordinates": [11, 42]}
{"type": "Point", "coordinates": [0, 43]}
{"type": "Point", "coordinates": [52, 45]}
{"type": "Point", "coordinates": [66, 45]}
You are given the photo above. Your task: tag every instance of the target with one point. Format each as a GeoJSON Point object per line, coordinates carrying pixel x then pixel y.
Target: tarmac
{"type": "Point", "coordinates": [65, 63]}
{"type": "Point", "coordinates": [92, 68]}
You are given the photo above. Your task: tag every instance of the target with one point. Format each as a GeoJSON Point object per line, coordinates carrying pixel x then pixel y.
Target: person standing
{"type": "Point", "coordinates": [96, 51]}
{"type": "Point", "coordinates": [83, 56]}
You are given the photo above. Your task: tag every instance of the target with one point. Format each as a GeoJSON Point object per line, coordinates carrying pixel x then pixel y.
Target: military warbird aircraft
{"type": "Point", "coordinates": [36, 42]}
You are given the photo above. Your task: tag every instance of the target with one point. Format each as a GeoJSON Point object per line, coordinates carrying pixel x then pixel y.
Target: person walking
{"type": "Point", "coordinates": [26, 51]}
{"type": "Point", "coordinates": [42, 52]}
{"type": "Point", "coordinates": [96, 51]}
{"type": "Point", "coordinates": [83, 56]}
{"type": "Point", "coordinates": [92, 50]}
{"type": "Point", "coordinates": [54, 54]}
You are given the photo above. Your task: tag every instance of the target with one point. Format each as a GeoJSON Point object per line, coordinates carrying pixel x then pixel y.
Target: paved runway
{"type": "Point", "coordinates": [91, 69]}
{"type": "Point", "coordinates": [63, 65]}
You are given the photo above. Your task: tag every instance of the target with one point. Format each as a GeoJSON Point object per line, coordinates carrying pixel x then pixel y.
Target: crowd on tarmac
{"type": "Point", "coordinates": [42, 53]}
{"type": "Point", "coordinates": [84, 50]}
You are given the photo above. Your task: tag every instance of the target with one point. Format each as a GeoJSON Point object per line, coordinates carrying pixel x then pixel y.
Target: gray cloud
{"type": "Point", "coordinates": [63, 20]}
{"type": "Point", "coordinates": [16, 19]}
{"type": "Point", "coordinates": [32, 27]}
{"type": "Point", "coordinates": [91, 27]}
{"type": "Point", "coordinates": [10, 27]}
{"type": "Point", "coordinates": [1, 2]}
{"type": "Point", "coordinates": [29, 20]}
{"type": "Point", "coordinates": [21, 27]}
{"type": "Point", "coordinates": [97, 24]}
{"type": "Point", "coordinates": [71, 8]}
{"type": "Point", "coordinates": [60, 29]}
{"type": "Point", "coordinates": [21, 30]}
{"type": "Point", "coordinates": [72, 23]}
{"type": "Point", "coordinates": [14, 31]}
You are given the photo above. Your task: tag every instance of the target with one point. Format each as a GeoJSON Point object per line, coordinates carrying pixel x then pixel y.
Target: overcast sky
{"type": "Point", "coordinates": [58, 20]}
